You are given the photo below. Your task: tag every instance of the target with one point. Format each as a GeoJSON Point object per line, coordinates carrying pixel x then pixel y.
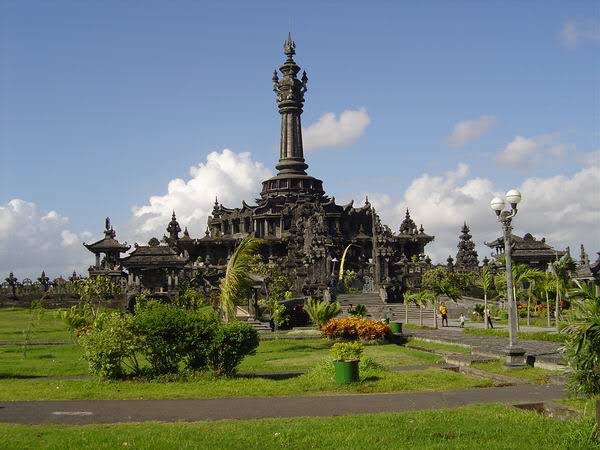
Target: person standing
{"type": "Point", "coordinates": [488, 318]}
{"type": "Point", "coordinates": [461, 319]}
{"type": "Point", "coordinates": [444, 313]}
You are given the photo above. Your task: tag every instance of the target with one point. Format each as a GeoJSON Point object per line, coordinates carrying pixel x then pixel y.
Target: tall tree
{"type": "Point", "coordinates": [236, 283]}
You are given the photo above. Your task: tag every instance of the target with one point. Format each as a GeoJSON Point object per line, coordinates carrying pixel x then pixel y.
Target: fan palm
{"type": "Point", "coordinates": [236, 283]}
{"type": "Point", "coordinates": [581, 328]}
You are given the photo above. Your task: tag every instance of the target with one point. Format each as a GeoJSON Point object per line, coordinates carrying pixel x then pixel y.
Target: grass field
{"type": "Point", "coordinates": [531, 374]}
{"type": "Point", "coordinates": [13, 322]}
{"type": "Point", "coordinates": [472, 427]}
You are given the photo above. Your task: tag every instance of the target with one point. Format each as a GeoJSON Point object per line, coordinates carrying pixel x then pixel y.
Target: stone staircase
{"type": "Point", "coordinates": [378, 310]}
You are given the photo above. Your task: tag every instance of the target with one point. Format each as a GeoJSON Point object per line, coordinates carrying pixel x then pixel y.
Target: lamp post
{"type": "Point", "coordinates": [515, 356]}
{"type": "Point", "coordinates": [333, 263]}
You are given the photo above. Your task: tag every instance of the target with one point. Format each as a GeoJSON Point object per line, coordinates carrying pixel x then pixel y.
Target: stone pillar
{"type": "Point", "coordinates": [97, 260]}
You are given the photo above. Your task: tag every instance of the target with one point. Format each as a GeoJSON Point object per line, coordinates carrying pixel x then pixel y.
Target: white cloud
{"type": "Point", "coordinates": [574, 32]}
{"type": "Point", "coordinates": [469, 130]}
{"type": "Point", "coordinates": [519, 151]}
{"type": "Point", "coordinates": [524, 152]}
{"type": "Point", "coordinates": [564, 209]}
{"type": "Point", "coordinates": [330, 131]}
{"type": "Point", "coordinates": [32, 240]}
{"type": "Point", "coordinates": [232, 177]}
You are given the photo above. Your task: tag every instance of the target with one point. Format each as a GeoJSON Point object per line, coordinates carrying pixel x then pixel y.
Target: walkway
{"type": "Point", "coordinates": [540, 352]}
{"type": "Point", "coordinates": [80, 412]}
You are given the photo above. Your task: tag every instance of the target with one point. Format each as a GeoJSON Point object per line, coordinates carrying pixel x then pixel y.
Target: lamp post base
{"type": "Point", "coordinates": [515, 358]}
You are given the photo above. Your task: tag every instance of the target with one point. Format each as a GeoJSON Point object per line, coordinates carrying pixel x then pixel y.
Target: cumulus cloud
{"type": "Point", "coordinates": [230, 176]}
{"type": "Point", "coordinates": [524, 152]}
{"type": "Point", "coordinates": [589, 158]}
{"type": "Point", "coordinates": [330, 131]}
{"type": "Point", "coordinates": [470, 130]}
{"type": "Point", "coordinates": [574, 32]}
{"type": "Point", "coordinates": [564, 209]}
{"type": "Point", "coordinates": [32, 240]}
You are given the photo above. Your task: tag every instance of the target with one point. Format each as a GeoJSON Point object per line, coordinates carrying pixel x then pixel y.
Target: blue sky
{"type": "Point", "coordinates": [103, 103]}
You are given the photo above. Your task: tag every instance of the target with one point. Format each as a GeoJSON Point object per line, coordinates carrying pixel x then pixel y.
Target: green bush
{"type": "Point", "coordinates": [231, 343]}
{"type": "Point", "coordinates": [202, 331]}
{"type": "Point", "coordinates": [347, 351]}
{"type": "Point", "coordinates": [110, 346]}
{"type": "Point", "coordinates": [164, 331]}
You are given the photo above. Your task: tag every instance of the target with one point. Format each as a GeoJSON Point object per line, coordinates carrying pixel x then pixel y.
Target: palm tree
{"type": "Point", "coordinates": [440, 282]}
{"type": "Point", "coordinates": [421, 299]}
{"type": "Point", "coordinates": [236, 282]}
{"type": "Point", "coordinates": [581, 328]}
{"type": "Point", "coordinates": [561, 270]}
{"type": "Point", "coordinates": [542, 289]}
{"type": "Point", "coordinates": [485, 280]}
{"type": "Point", "coordinates": [531, 277]}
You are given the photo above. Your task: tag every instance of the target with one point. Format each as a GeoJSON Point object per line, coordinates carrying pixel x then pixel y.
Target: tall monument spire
{"type": "Point", "coordinates": [290, 100]}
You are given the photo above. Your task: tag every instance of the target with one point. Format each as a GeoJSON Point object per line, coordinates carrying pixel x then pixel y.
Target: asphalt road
{"type": "Point", "coordinates": [114, 411]}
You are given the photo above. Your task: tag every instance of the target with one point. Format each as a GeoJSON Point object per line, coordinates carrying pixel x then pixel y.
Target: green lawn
{"type": "Point", "coordinates": [289, 355]}
{"type": "Point", "coordinates": [472, 427]}
{"type": "Point", "coordinates": [50, 328]}
{"type": "Point", "coordinates": [531, 374]}
{"type": "Point", "coordinates": [42, 360]}
{"type": "Point", "coordinates": [318, 380]}
{"type": "Point", "coordinates": [437, 346]}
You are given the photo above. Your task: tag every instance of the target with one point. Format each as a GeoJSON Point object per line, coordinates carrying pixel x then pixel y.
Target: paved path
{"type": "Point", "coordinates": [541, 351]}
{"type": "Point", "coordinates": [113, 411]}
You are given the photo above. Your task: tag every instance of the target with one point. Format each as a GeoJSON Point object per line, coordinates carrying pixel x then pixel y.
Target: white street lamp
{"type": "Point", "coordinates": [515, 356]}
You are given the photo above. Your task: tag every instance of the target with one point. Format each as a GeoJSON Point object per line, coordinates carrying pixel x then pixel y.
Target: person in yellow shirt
{"type": "Point", "coordinates": [444, 313]}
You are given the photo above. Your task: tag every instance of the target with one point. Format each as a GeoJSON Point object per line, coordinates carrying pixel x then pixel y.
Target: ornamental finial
{"type": "Point", "coordinates": [289, 46]}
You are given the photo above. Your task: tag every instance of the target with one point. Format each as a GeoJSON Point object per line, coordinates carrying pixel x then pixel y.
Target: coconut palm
{"type": "Point", "coordinates": [236, 283]}
{"type": "Point", "coordinates": [581, 328]}
{"type": "Point", "coordinates": [561, 270]}
{"type": "Point", "coordinates": [440, 282]}
{"type": "Point", "coordinates": [421, 299]}
{"type": "Point", "coordinates": [530, 276]}
{"type": "Point", "coordinates": [542, 288]}
{"type": "Point", "coordinates": [485, 280]}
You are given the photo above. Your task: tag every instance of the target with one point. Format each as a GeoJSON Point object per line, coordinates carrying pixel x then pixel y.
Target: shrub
{"type": "Point", "coordinates": [353, 328]}
{"type": "Point", "coordinates": [581, 329]}
{"type": "Point", "coordinates": [202, 331]}
{"type": "Point", "coordinates": [164, 331]}
{"type": "Point", "coordinates": [110, 346]}
{"type": "Point", "coordinates": [347, 351]}
{"type": "Point", "coordinates": [322, 311]}
{"type": "Point", "coordinates": [232, 342]}
{"type": "Point", "coordinates": [359, 310]}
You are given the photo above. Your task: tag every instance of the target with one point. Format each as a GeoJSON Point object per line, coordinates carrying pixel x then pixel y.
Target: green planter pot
{"type": "Point", "coordinates": [396, 327]}
{"type": "Point", "coordinates": [346, 372]}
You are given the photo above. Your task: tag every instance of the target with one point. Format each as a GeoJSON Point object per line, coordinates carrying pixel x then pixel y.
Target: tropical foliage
{"type": "Point", "coordinates": [236, 283]}
{"type": "Point", "coordinates": [581, 328]}
{"type": "Point", "coordinates": [441, 281]}
{"type": "Point", "coordinates": [320, 312]}
{"type": "Point", "coordinates": [421, 299]}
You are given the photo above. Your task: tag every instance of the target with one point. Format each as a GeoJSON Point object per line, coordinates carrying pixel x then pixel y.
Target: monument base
{"type": "Point", "coordinates": [515, 358]}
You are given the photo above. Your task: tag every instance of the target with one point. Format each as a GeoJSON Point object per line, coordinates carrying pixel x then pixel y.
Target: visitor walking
{"type": "Point", "coordinates": [444, 313]}
{"type": "Point", "coordinates": [488, 318]}
{"type": "Point", "coordinates": [461, 320]}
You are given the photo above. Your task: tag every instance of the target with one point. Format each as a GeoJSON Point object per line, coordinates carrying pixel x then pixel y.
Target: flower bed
{"type": "Point", "coordinates": [354, 328]}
